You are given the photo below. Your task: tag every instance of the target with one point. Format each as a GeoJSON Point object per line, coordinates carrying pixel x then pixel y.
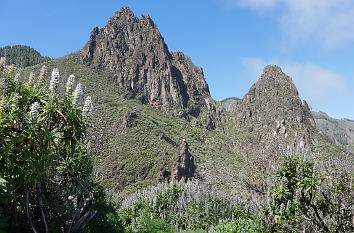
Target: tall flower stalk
{"type": "Point", "coordinates": [42, 76]}
{"type": "Point", "coordinates": [87, 109]}
{"type": "Point", "coordinates": [77, 95]}
{"type": "Point", "coordinates": [70, 85]}
{"type": "Point", "coordinates": [54, 82]}
{"type": "Point", "coordinates": [33, 114]}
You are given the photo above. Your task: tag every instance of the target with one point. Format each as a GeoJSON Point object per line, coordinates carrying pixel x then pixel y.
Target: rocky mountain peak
{"type": "Point", "coordinates": [271, 101]}
{"type": "Point", "coordinates": [132, 52]}
{"type": "Point", "coordinates": [124, 13]}
{"type": "Point", "coordinates": [272, 117]}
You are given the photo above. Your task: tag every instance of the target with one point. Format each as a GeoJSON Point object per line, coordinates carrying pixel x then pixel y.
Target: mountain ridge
{"type": "Point", "coordinates": [138, 125]}
{"type": "Point", "coordinates": [133, 53]}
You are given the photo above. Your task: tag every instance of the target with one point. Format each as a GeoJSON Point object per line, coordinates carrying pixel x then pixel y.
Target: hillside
{"type": "Point", "coordinates": [134, 144]}
{"type": "Point", "coordinates": [147, 100]}
{"type": "Point", "coordinates": [22, 56]}
{"type": "Point", "coordinates": [340, 131]}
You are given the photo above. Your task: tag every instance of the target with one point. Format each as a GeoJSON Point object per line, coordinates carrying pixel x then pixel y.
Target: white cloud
{"type": "Point", "coordinates": [329, 21]}
{"type": "Point", "coordinates": [315, 84]}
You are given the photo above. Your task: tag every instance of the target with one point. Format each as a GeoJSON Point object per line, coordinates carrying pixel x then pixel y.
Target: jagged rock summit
{"type": "Point", "coordinates": [132, 52]}
{"type": "Point", "coordinates": [272, 111]}
{"type": "Point", "coordinates": [272, 118]}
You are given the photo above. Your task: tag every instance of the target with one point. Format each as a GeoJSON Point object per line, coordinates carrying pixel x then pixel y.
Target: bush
{"type": "Point", "coordinates": [153, 226]}
{"type": "Point", "coordinates": [239, 225]}
{"type": "Point", "coordinates": [185, 206]}
{"type": "Point", "coordinates": [311, 196]}
{"type": "Point", "coordinates": [42, 155]}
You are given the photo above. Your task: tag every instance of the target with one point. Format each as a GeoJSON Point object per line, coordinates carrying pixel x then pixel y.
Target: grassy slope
{"type": "Point", "coordinates": [340, 131]}
{"type": "Point", "coordinates": [135, 156]}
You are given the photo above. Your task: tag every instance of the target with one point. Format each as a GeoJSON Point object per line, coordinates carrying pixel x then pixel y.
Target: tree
{"type": "Point", "coordinates": [43, 158]}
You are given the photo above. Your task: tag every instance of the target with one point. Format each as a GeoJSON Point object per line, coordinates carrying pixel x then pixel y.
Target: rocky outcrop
{"type": "Point", "coordinates": [132, 52]}
{"type": "Point", "coordinates": [272, 112]}
{"type": "Point", "coordinates": [272, 118]}
{"type": "Point", "coordinates": [183, 164]}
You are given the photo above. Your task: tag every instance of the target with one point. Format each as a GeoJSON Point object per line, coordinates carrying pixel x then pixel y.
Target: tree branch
{"type": "Point", "coordinates": [28, 213]}
{"type": "Point", "coordinates": [41, 207]}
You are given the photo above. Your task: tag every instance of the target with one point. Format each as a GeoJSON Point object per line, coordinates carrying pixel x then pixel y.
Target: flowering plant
{"type": "Point", "coordinates": [310, 196]}
{"type": "Point", "coordinates": [42, 155]}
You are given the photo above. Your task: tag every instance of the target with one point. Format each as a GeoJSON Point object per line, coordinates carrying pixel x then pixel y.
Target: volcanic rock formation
{"type": "Point", "coordinates": [132, 52]}
{"type": "Point", "coordinates": [183, 165]}
{"type": "Point", "coordinates": [272, 118]}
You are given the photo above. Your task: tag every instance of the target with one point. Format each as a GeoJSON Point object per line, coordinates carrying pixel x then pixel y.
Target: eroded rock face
{"type": "Point", "coordinates": [133, 53]}
{"type": "Point", "coordinates": [272, 111]}
{"type": "Point", "coordinates": [272, 118]}
{"type": "Point", "coordinates": [183, 164]}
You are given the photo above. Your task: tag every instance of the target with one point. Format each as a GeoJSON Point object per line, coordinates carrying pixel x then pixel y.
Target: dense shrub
{"type": "Point", "coordinates": [190, 205]}
{"type": "Point", "coordinates": [43, 159]}
{"type": "Point", "coordinates": [311, 196]}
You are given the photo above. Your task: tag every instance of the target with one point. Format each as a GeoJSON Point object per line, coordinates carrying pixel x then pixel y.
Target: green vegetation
{"type": "Point", "coordinates": [135, 143]}
{"type": "Point", "coordinates": [340, 131]}
{"type": "Point", "coordinates": [309, 196]}
{"type": "Point", "coordinates": [129, 150]}
{"type": "Point", "coordinates": [188, 206]}
{"type": "Point", "coordinates": [22, 56]}
{"type": "Point", "coordinates": [45, 167]}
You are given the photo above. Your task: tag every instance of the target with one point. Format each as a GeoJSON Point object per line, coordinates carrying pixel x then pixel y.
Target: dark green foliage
{"type": "Point", "coordinates": [239, 225]}
{"type": "Point", "coordinates": [106, 219]}
{"type": "Point", "coordinates": [42, 154]}
{"type": "Point", "coordinates": [22, 55]}
{"type": "Point", "coordinates": [4, 198]}
{"type": "Point", "coordinates": [153, 226]}
{"type": "Point", "coordinates": [312, 197]}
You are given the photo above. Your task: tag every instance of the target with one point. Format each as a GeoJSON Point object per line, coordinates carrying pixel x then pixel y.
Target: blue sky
{"type": "Point", "coordinates": [311, 40]}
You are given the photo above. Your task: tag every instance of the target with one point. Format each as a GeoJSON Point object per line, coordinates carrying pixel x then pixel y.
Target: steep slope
{"type": "Point", "coordinates": [272, 118]}
{"type": "Point", "coordinates": [134, 144]}
{"type": "Point", "coordinates": [134, 139]}
{"type": "Point", "coordinates": [340, 131]}
{"type": "Point", "coordinates": [133, 53]}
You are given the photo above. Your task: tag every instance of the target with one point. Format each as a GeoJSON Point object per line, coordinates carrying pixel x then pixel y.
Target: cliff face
{"type": "Point", "coordinates": [132, 52]}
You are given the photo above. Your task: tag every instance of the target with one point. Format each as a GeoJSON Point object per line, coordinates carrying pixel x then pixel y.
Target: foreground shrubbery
{"type": "Point", "coordinates": [311, 196]}
{"type": "Point", "coordinates": [304, 197]}
{"type": "Point", "coordinates": [190, 205]}
{"type": "Point", "coordinates": [45, 169]}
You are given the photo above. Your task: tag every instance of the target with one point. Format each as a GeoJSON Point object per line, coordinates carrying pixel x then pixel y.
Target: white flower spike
{"type": "Point", "coordinates": [34, 111]}
{"type": "Point", "coordinates": [54, 82]}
